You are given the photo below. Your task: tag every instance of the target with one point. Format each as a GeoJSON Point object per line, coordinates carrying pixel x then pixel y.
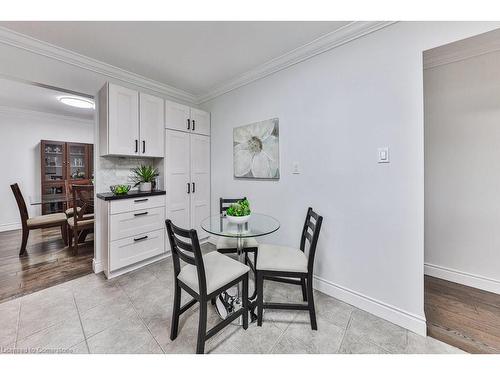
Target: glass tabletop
{"type": "Point", "coordinates": [48, 198]}
{"type": "Point", "coordinates": [257, 225]}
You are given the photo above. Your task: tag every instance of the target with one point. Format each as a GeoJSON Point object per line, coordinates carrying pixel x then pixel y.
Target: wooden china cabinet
{"type": "Point", "coordinates": [63, 162]}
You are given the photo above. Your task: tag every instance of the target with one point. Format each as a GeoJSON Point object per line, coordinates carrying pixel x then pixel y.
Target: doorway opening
{"type": "Point", "coordinates": [462, 192]}
{"type": "Point", "coordinates": [48, 148]}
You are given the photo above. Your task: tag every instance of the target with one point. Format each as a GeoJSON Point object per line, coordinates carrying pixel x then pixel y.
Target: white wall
{"type": "Point", "coordinates": [462, 179]}
{"type": "Point", "coordinates": [335, 110]}
{"type": "Point", "coordinates": [20, 135]}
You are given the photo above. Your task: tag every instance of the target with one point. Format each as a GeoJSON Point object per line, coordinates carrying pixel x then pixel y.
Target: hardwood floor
{"type": "Point", "coordinates": [462, 316]}
{"type": "Point", "coordinates": [48, 262]}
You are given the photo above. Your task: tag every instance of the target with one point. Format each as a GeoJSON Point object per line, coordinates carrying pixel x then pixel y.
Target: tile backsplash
{"type": "Point", "coordinates": [114, 170]}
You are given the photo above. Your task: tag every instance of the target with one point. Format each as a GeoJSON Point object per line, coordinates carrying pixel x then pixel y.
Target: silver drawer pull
{"type": "Point", "coordinates": [141, 200]}
{"type": "Point", "coordinates": [140, 238]}
{"type": "Point", "coordinates": [142, 213]}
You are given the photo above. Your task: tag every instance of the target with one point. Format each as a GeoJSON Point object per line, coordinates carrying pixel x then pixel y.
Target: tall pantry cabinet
{"type": "Point", "coordinates": [187, 166]}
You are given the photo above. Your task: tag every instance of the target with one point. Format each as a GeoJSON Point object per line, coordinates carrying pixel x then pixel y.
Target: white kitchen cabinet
{"type": "Point", "coordinates": [200, 121]}
{"type": "Point", "coordinates": [187, 174]}
{"type": "Point", "coordinates": [123, 121]}
{"type": "Point", "coordinates": [200, 181]}
{"type": "Point", "coordinates": [151, 113]}
{"type": "Point", "coordinates": [177, 116]}
{"type": "Point", "coordinates": [130, 123]}
{"type": "Point", "coordinates": [177, 177]}
{"type": "Point", "coordinates": [191, 120]}
{"type": "Point", "coordinates": [132, 231]}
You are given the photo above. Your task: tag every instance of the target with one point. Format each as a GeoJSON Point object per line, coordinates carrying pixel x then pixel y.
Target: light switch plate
{"type": "Point", "coordinates": [383, 155]}
{"type": "Point", "coordinates": [295, 167]}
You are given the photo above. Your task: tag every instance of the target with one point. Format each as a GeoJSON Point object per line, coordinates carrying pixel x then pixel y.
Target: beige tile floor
{"type": "Point", "coordinates": [131, 314]}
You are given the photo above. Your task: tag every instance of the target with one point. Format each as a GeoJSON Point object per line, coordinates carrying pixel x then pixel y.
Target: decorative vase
{"type": "Point", "coordinates": [238, 219]}
{"type": "Point", "coordinates": [145, 186]}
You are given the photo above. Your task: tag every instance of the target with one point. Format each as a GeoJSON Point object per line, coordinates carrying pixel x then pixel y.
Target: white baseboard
{"type": "Point", "coordinates": [464, 278]}
{"type": "Point", "coordinates": [405, 319]}
{"type": "Point", "coordinates": [97, 266]}
{"type": "Point", "coordinates": [10, 226]}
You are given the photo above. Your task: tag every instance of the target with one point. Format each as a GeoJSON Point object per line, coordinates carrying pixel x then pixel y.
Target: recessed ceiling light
{"type": "Point", "coordinates": [77, 102]}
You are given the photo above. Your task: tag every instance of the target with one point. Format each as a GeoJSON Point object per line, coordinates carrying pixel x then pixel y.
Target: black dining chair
{"type": "Point", "coordinates": [203, 277]}
{"type": "Point", "coordinates": [227, 245]}
{"type": "Point", "coordinates": [292, 266]}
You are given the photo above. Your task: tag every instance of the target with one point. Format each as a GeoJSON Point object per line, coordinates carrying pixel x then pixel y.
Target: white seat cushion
{"type": "Point", "coordinates": [230, 243]}
{"type": "Point", "coordinates": [219, 271]}
{"type": "Point", "coordinates": [281, 258]}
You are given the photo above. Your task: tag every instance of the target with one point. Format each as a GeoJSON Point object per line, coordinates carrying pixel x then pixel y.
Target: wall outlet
{"type": "Point", "coordinates": [295, 167]}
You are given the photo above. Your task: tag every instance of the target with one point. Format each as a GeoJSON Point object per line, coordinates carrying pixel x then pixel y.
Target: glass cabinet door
{"type": "Point", "coordinates": [53, 198]}
{"type": "Point", "coordinates": [53, 161]}
{"type": "Point", "coordinates": [77, 161]}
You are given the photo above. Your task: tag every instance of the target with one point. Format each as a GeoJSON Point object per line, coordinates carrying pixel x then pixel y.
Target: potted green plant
{"type": "Point", "coordinates": [144, 175]}
{"type": "Point", "coordinates": [239, 212]}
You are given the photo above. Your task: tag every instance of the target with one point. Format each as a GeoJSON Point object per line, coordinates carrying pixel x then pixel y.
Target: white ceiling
{"type": "Point", "coordinates": [19, 95]}
{"type": "Point", "coordinates": [192, 56]}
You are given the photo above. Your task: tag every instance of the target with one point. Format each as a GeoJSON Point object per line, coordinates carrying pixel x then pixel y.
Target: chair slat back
{"type": "Point", "coordinates": [21, 204]}
{"type": "Point", "coordinates": [226, 202]}
{"type": "Point", "coordinates": [310, 233]}
{"type": "Point", "coordinates": [83, 197]}
{"type": "Point", "coordinates": [186, 247]}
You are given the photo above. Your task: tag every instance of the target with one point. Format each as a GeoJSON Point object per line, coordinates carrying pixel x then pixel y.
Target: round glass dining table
{"type": "Point", "coordinates": [218, 225]}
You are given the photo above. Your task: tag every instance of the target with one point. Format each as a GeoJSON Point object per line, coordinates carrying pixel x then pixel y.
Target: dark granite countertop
{"type": "Point", "coordinates": [109, 196]}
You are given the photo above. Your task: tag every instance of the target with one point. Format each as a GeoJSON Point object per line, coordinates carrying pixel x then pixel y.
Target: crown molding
{"type": "Point", "coordinates": [462, 50]}
{"type": "Point", "coordinates": [42, 48]}
{"type": "Point", "coordinates": [30, 113]}
{"type": "Point", "coordinates": [334, 39]}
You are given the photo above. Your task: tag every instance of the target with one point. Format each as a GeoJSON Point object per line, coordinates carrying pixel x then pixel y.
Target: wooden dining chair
{"type": "Point", "coordinates": [227, 245]}
{"type": "Point", "coordinates": [203, 277]}
{"type": "Point", "coordinates": [291, 266]}
{"type": "Point", "coordinates": [82, 222]}
{"type": "Point", "coordinates": [37, 222]}
{"type": "Point", "coordinates": [67, 188]}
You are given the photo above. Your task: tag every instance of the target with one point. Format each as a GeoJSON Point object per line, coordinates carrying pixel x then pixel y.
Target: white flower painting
{"type": "Point", "coordinates": [256, 150]}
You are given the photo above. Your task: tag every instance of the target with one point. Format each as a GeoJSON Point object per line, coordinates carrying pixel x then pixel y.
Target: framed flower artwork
{"type": "Point", "coordinates": [256, 150]}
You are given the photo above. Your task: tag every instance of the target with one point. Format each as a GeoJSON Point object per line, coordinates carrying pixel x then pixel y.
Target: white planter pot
{"type": "Point", "coordinates": [238, 219]}
{"type": "Point", "coordinates": [145, 186]}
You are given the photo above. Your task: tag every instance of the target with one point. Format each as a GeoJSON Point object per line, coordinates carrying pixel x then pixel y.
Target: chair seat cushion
{"type": "Point", "coordinates": [281, 258]}
{"type": "Point", "coordinates": [71, 211]}
{"type": "Point", "coordinates": [86, 221]}
{"type": "Point", "coordinates": [43, 220]}
{"type": "Point", "coordinates": [219, 271]}
{"type": "Point", "coordinates": [230, 243]}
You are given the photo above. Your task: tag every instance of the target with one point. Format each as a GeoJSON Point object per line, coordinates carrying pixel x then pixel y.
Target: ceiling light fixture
{"type": "Point", "coordinates": [77, 102]}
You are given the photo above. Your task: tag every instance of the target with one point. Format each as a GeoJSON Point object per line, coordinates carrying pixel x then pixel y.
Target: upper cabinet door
{"type": "Point", "coordinates": [177, 116]}
{"type": "Point", "coordinates": [200, 121]}
{"type": "Point", "coordinates": [151, 125]}
{"type": "Point", "coordinates": [123, 117]}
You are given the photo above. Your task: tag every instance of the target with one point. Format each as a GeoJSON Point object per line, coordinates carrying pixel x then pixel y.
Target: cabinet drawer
{"type": "Point", "coordinates": [128, 251]}
{"type": "Point", "coordinates": [133, 204]}
{"type": "Point", "coordinates": [129, 224]}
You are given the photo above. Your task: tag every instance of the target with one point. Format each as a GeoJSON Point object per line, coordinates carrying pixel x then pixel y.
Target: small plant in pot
{"type": "Point", "coordinates": [144, 175]}
{"type": "Point", "coordinates": [239, 212]}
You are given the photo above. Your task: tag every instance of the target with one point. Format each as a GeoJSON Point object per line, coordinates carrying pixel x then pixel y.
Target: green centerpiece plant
{"type": "Point", "coordinates": [239, 212]}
